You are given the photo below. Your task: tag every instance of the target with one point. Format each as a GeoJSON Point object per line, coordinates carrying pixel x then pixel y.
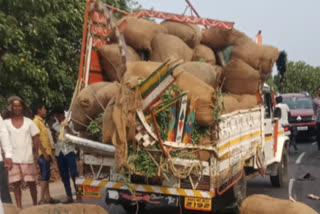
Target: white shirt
{"type": "Point", "coordinates": [5, 144]}
{"type": "Point", "coordinates": [21, 140]}
{"type": "Point", "coordinates": [62, 146]}
{"type": "Point", "coordinates": [284, 113]}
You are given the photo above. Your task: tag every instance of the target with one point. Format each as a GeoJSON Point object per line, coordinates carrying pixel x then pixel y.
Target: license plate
{"type": "Point", "coordinates": [89, 191]}
{"type": "Point", "coordinates": [302, 128]}
{"type": "Point", "coordinates": [192, 203]}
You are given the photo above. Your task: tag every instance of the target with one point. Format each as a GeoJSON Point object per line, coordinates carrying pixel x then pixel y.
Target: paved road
{"type": "Point", "coordinates": [306, 160]}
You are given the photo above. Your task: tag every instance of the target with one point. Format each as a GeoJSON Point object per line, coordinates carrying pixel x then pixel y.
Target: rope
{"type": "Point", "coordinates": [186, 171]}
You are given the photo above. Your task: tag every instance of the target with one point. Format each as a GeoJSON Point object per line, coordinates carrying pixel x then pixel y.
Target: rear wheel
{"type": "Point", "coordinates": [281, 179]}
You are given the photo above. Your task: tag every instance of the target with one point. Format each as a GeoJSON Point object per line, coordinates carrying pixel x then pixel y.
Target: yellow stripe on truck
{"type": "Point", "coordinates": [148, 188]}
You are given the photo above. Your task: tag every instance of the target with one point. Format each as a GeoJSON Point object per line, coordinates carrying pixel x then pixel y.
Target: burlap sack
{"type": "Point", "coordinates": [204, 112]}
{"type": "Point", "coordinates": [165, 46]}
{"type": "Point", "coordinates": [240, 78]}
{"type": "Point", "coordinates": [10, 209]}
{"type": "Point", "coordinates": [65, 208]}
{"type": "Point", "coordinates": [196, 88]}
{"type": "Point", "coordinates": [263, 204]}
{"type": "Point", "coordinates": [140, 69]}
{"type": "Point", "coordinates": [219, 38]}
{"type": "Point", "coordinates": [260, 57]}
{"type": "Point", "coordinates": [139, 33]}
{"type": "Point", "coordinates": [110, 59]}
{"type": "Point", "coordinates": [202, 52]}
{"type": "Point", "coordinates": [189, 33]}
{"type": "Point", "coordinates": [204, 71]}
{"type": "Point", "coordinates": [91, 101]}
{"type": "Point", "coordinates": [108, 126]}
{"type": "Point", "coordinates": [246, 101]}
{"type": "Point", "coordinates": [203, 155]}
{"type": "Point", "coordinates": [230, 103]}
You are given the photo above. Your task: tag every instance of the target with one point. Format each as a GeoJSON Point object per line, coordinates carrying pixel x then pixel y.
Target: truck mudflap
{"type": "Point", "coordinates": [90, 188]}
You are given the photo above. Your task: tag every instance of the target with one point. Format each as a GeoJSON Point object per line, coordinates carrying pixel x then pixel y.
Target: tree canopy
{"type": "Point", "coordinates": [299, 77]}
{"type": "Point", "coordinates": [40, 48]}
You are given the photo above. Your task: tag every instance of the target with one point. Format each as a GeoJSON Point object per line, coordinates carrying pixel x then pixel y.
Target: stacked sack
{"type": "Point", "coordinates": [202, 73]}
{"type": "Point", "coordinates": [247, 67]}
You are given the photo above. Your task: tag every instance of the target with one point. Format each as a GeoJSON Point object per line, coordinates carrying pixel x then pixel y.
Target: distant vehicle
{"type": "Point", "coordinates": [302, 116]}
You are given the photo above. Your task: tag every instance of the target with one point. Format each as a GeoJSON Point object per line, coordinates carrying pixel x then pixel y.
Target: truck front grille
{"type": "Point", "coordinates": [303, 119]}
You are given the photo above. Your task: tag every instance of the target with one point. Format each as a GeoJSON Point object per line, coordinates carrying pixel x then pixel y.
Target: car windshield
{"type": "Point", "coordinates": [298, 102]}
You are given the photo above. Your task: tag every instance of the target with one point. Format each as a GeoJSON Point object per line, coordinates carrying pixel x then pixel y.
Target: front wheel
{"type": "Point", "coordinates": [281, 179]}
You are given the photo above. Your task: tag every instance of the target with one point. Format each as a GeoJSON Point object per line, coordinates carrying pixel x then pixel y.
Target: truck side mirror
{"type": "Point", "coordinates": [277, 114]}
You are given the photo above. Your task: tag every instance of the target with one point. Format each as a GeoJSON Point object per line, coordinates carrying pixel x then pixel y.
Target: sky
{"type": "Point", "coordinates": [290, 25]}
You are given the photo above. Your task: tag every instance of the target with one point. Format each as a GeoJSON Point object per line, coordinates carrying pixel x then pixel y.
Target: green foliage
{"type": "Point", "coordinates": [299, 77]}
{"type": "Point", "coordinates": [40, 48]}
{"type": "Point", "coordinates": [95, 128]}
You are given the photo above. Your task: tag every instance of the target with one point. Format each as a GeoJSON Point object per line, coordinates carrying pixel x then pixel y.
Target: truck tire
{"type": "Point", "coordinates": [281, 179]}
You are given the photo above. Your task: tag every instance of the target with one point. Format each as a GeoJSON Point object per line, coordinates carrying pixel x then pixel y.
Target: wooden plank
{"type": "Point", "coordinates": [173, 120]}
{"type": "Point", "coordinates": [97, 30]}
{"type": "Point", "coordinates": [156, 93]}
{"type": "Point", "coordinates": [181, 118]}
{"type": "Point", "coordinates": [97, 17]}
{"type": "Point", "coordinates": [95, 62]}
{"type": "Point", "coordinates": [97, 42]}
{"type": "Point", "coordinates": [95, 77]}
{"type": "Point", "coordinates": [190, 121]}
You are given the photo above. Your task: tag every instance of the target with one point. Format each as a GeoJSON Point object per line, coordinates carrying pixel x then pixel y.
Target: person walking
{"type": "Point", "coordinates": [65, 153]}
{"type": "Point", "coordinates": [24, 137]}
{"type": "Point", "coordinates": [5, 162]}
{"type": "Point", "coordinates": [316, 108]}
{"type": "Point", "coordinates": [284, 121]}
{"type": "Point", "coordinates": [40, 111]}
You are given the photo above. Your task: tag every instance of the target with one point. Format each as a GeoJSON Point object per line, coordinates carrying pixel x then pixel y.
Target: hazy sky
{"type": "Point", "coordinates": [291, 25]}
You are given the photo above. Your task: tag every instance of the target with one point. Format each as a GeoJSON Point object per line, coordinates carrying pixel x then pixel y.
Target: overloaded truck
{"type": "Point", "coordinates": [173, 113]}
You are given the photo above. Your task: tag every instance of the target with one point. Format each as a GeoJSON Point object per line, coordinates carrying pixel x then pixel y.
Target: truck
{"type": "Point", "coordinates": [248, 143]}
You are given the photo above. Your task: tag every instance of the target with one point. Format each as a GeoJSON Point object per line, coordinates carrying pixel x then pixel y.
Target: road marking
{"type": "Point", "coordinates": [314, 143]}
{"type": "Point", "coordinates": [290, 187]}
{"type": "Point", "coordinates": [298, 161]}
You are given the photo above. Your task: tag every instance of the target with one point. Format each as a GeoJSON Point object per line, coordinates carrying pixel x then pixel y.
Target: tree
{"type": "Point", "coordinates": [299, 77]}
{"type": "Point", "coordinates": [40, 48]}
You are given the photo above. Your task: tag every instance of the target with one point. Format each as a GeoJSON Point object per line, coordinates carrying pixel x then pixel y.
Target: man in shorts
{"type": "Point", "coordinates": [24, 137]}
{"type": "Point", "coordinates": [40, 111]}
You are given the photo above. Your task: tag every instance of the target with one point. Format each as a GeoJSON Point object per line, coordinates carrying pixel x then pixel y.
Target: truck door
{"type": "Point", "coordinates": [268, 127]}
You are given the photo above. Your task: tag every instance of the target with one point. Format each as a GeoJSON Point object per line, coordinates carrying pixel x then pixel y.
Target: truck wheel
{"type": "Point", "coordinates": [132, 208]}
{"type": "Point", "coordinates": [281, 179]}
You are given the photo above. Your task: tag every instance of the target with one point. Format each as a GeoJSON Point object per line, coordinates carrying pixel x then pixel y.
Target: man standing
{"type": "Point", "coordinates": [39, 110]}
{"type": "Point", "coordinates": [65, 153]}
{"type": "Point", "coordinates": [6, 164]}
{"type": "Point", "coordinates": [284, 121]}
{"type": "Point", "coordinates": [316, 108]}
{"type": "Point", "coordinates": [24, 135]}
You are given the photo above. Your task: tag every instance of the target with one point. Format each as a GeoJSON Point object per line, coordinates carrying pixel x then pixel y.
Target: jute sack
{"type": "Point", "coordinates": [204, 112]}
{"type": "Point", "coordinates": [204, 71]}
{"type": "Point", "coordinates": [65, 208]}
{"type": "Point", "coordinates": [230, 103]}
{"type": "Point", "coordinates": [111, 63]}
{"type": "Point", "coordinates": [240, 78]}
{"type": "Point", "coordinates": [246, 101]}
{"type": "Point", "coordinates": [140, 69]}
{"type": "Point", "coordinates": [108, 126]}
{"type": "Point", "coordinates": [202, 52]}
{"type": "Point", "coordinates": [10, 209]}
{"type": "Point", "coordinates": [260, 57]}
{"type": "Point", "coordinates": [263, 204]}
{"type": "Point", "coordinates": [189, 33]}
{"type": "Point", "coordinates": [91, 101]}
{"type": "Point", "coordinates": [139, 33]}
{"type": "Point", "coordinates": [219, 38]}
{"type": "Point", "coordinates": [165, 46]}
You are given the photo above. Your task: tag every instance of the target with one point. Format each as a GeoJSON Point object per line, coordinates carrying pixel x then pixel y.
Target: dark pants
{"type": "Point", "coordinates": [45, 171]}
{"type": "Point", "coordinates": [67, 165]}
{"type": "Point", "coordinates": [4, 186]}
{"type": "Point", "coordinates": [293, 135]}
{"type": "Point", "coordinates": [318, 135]}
